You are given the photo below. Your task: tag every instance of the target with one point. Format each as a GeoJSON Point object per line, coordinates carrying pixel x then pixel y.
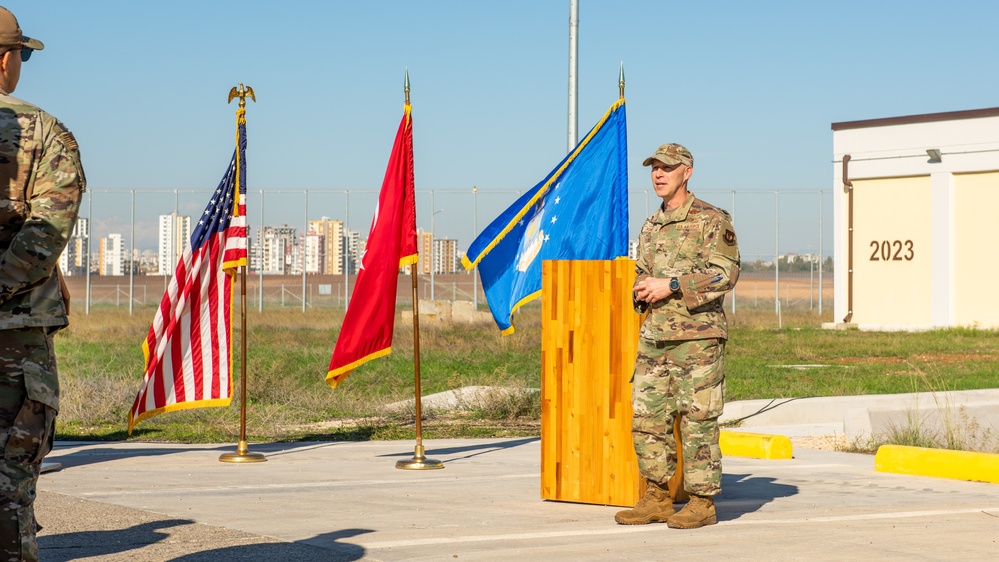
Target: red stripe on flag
{"type": "Point", "coordinates": [194, 347]}
{"type": "Point", "coordinates": [216, 339]}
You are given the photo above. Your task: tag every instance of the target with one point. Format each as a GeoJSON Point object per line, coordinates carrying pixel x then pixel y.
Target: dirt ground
{"type": "Point", "coordinates": [822, 443]}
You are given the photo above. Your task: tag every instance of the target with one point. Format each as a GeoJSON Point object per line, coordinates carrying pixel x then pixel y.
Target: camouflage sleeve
{"type": "Point", "coordinates": [643, 268]}
{"type": "Point", "coordinates": [722, 249]}
{"type": "Point", "coordinates": [56, 189]}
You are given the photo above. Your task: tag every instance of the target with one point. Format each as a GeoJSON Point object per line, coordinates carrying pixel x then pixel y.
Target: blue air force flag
{"type": "Point", "coordinates": [578, 212]}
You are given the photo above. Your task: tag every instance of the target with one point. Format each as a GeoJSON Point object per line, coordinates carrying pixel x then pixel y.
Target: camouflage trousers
{"type": "Point", "coordinates": [27, 429]}
{"type": "Point", "coordinates": [685, 379]}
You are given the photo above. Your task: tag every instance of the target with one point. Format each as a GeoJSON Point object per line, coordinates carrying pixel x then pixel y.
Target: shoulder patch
{"type": "Point", "coordinates": [729, 237]}
{"type": "Point", "coordinates": [69, 140]}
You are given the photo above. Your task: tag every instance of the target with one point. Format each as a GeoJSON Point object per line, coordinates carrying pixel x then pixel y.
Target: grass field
{"type": "Point", "coordinates": [101, 364]}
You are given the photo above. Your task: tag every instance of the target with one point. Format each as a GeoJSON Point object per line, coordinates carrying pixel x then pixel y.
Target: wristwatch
{"type": "Point", "coordinates": [674, 285]}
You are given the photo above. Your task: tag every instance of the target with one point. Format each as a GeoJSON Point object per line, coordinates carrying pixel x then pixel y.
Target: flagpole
{"type": "Point", "coordinates": [242, 453]}
{"type": "Point", "coordinates": [419, 460]}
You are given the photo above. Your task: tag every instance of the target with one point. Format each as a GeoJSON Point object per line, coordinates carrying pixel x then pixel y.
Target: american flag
{"type": "Point", "coordinates": [189, 347]}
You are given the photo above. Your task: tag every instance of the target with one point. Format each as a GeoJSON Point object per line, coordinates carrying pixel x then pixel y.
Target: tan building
{"type": "Point", "coordinates": [914, 201]}
{"type": "Point", "coordinates": [446, 257]}
{"type": "Point", "coordinates": [424, 242]}
{"type": "Point", "coordinates": [112, 256]}
{"type": "Point", "coordinates": [324, 247]}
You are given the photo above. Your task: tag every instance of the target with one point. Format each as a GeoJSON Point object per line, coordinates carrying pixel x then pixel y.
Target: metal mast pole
{"type": "Point", "coordinates": [305, 217]}
{"type": "Point", "coordinates": [346, 253]}
{"type": "Point", "coordinates": [820, 254]}
{"type": "Point", "coordinates": [131, 259]}
{"type": "Point", "coordinates": [475, 228]}
{"type": "Point", "coordinates": [573, 71]}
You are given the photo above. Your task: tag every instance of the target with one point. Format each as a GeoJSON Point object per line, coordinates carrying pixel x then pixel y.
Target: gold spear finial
{"type": "Point", "coordinates": [406, 86]}
{"type": "Point", "coordinates": [241, 93]}
{"type": "Point", "coordinates": [620, 80]}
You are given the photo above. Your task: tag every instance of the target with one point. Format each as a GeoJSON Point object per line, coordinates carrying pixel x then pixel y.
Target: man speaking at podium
{"type": "Point", "coordinates": [688, 258]}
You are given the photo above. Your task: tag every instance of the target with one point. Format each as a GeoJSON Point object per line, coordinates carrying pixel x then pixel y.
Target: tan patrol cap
{"type": "Point", "coordinates": [671, 154]}
{"type": "Point", "coordinates": [10, 33]}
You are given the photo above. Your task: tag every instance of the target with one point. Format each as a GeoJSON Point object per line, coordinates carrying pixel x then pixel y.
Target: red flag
{"type": "Point", "coordinates": [189, 347]}
{"type": "Point", "coordinates": [366, 332]}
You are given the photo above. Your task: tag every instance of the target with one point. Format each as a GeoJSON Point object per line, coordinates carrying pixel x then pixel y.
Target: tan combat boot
{"type": "Point", "coordinates": [655, 506]}
{"type": "Point", "coordinates": [698, 512]}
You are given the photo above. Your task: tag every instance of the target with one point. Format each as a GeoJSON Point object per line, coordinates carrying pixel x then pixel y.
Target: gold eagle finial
{"type": "Point", "coordinates": [241, 93]}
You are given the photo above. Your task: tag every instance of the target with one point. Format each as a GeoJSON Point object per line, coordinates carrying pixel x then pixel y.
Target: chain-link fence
{"type": "Point", "coordinates": [789, 228]}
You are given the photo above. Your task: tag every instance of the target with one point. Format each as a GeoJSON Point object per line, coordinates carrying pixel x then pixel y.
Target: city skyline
{"type": "Point", "coordinates": [801, 215]}
{"type": "Point", "coordinates": [326, 248]}
{"type": "Point", "coordinates": [271, 245]}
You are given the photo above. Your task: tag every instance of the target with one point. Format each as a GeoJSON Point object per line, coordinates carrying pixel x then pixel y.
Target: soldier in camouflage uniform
{"type": "Point", "coordinates": [41, 184]}
{"type": "Point", "coordinates": [688, 258]}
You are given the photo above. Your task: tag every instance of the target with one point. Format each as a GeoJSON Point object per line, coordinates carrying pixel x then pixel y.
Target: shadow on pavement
{"type": "Point", "coordinates": [742, 494]}
{"type": "Point", "coordinates": [332, 550]}
{"type": "Point", "coordinates": [70, 546]}
{"type": "Point", "coordinates": [475, 450]}
{"type": "Point", "coordinates": [96, 452]}
{"type": "Point", "coordinates": [107, 544]}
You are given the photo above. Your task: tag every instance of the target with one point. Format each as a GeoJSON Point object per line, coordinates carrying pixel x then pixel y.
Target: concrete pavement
{"type": "Point", "coordinates": [347, 501]}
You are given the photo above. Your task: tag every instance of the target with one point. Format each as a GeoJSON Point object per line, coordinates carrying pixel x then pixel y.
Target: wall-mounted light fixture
{"type": "Point", "coordinates": [934, 154]}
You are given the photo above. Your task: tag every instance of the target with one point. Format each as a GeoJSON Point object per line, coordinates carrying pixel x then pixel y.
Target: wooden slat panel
{"type": "Point", "coordinates": [589, 341]}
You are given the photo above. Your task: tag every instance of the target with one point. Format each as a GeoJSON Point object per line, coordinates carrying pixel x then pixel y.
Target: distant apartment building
{"type": "Point", "coordinates": [280, 249]}
{"type": "Point", "coordinates": [254, 256]}
{"type": "Point", "coordinates": [113, 257]}
{"type": "Point", "coordinates": [353, 248]}
{"type": "Point", "coordinates": [445, 255]}
{"type": "Point", "coordinates": [425, 244]}
{"type": "Point", "coordinates": [314, 253]}
{"type": "Point", "coordinates": [324, 247]}
{"type": "Point", "coordinates": [174, 236]}
{"type": "Point", "coordinates": [439, 255]}
{"type": "Point", "coordinates": [73, 260]}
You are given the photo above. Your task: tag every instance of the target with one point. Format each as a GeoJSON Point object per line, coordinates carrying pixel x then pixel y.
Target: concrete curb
{"type": "Point", "coordinates": [755, 445]}
{"type": "Point", "coordinates": [939, 463]}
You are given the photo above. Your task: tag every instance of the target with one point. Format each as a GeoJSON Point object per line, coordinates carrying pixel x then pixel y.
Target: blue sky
{"type": "Point", "coordinates": [750, 87]}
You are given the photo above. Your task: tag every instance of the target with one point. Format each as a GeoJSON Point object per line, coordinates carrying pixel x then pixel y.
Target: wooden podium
{"type": "Point", "coordinates": [589, 340]}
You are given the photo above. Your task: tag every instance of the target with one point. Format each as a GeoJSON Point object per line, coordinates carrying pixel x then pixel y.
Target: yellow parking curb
{"type": "Point", "coordinates": [941, 463]}
{"type": "Point", "coordinates": [755, 445]}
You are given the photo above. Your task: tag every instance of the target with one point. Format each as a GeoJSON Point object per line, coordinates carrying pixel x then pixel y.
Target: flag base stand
{"type": "Point", "coordinates": [419, 461]}
{"type": "Point", "coordinates": [242, 454]}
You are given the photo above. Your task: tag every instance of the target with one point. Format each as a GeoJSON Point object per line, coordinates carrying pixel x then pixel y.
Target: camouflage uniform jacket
{"type": "Point", "coordinates": [41, 184]}
{"type": "Point", "coordinates": [695, 243]}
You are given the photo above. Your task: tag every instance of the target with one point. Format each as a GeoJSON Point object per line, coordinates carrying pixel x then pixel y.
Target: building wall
{"type": "Point", "coordinates": [892, 251]}
{"type": "Point", "coordinates": [930, 212]}
{"type": "Point", "coordinates": [976, 199]}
